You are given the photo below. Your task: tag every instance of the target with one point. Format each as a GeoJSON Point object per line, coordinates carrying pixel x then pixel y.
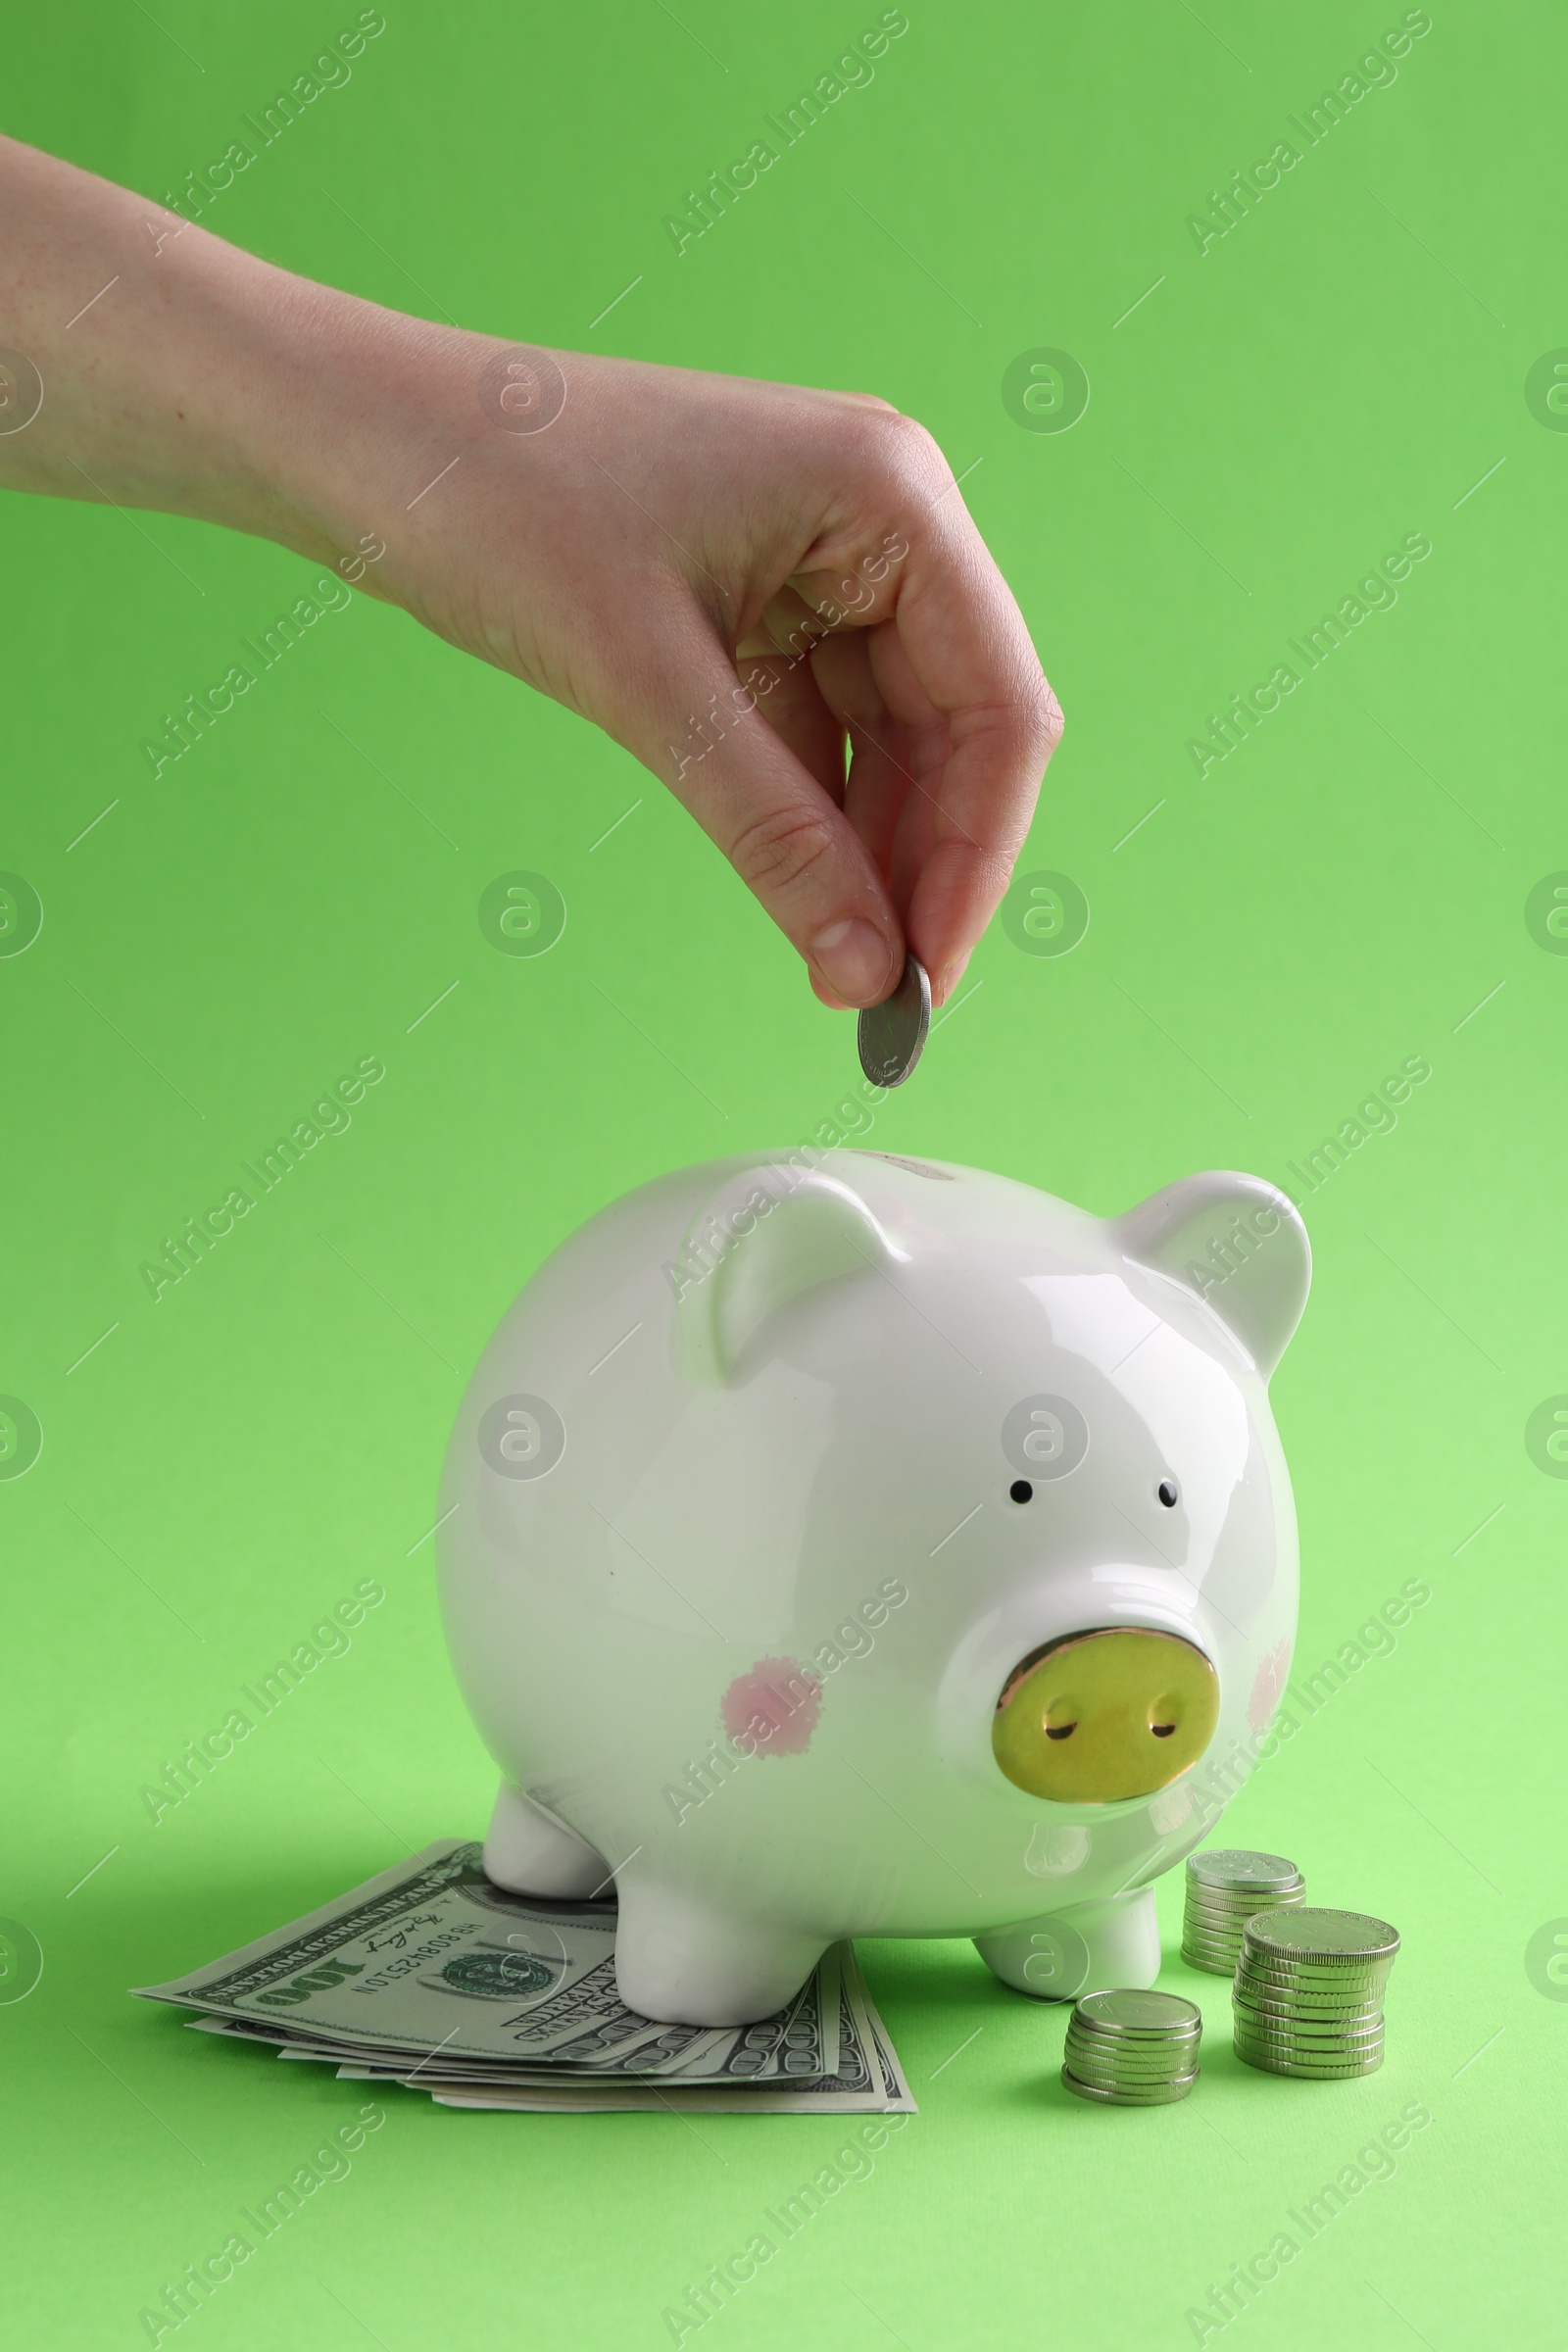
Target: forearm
{"type": "Point", "coordinates": [646, 543]}
{"type": "Point", "coordinates": [177, 372]}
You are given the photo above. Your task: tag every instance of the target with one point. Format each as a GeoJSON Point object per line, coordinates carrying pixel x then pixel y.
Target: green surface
{"type": "Point", "coordinates": [1339, 896]}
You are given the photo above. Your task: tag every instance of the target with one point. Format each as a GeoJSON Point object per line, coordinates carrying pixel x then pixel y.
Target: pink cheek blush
{"type": "Point", "coordinates": [1269, 1683]}
{"type": "Point", "coordinates": [775, 1704]}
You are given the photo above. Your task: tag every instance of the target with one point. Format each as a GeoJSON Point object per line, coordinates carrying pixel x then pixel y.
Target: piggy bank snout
{"type": "Point", "coordinates": [1107, 1714]}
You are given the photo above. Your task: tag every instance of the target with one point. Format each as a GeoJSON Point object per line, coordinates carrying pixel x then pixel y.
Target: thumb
{"type": "Point", "coordinates": [708, 738]}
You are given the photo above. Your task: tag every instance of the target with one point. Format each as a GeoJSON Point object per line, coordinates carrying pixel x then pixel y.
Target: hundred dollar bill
{"type": "Point", "coordinates": [866, 2080]}
{"type": "Point", "coordinates": [428, 1974]}
{"type": "Point", "coordinates": [869, 2079]}
{"type": "Point", "coordinates": [631, 2100]}
{"type": "Point", "coordinates": [800, 2043]}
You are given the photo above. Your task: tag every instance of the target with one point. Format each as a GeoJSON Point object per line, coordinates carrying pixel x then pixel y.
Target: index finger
{"type": "Point", "coordinates": [956, 675]}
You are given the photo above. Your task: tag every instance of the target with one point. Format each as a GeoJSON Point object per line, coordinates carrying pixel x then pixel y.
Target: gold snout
{"type": "Point", "coordinates": [1105, 1715]}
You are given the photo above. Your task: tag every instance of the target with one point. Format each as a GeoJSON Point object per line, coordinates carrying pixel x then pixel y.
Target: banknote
{"type": "Point", "coordinates": [870, 2080]}
{"type": "Point", "coordinates": [867, 2079]}
{"type": "Point", "coordinates": [430, 1976]}
{"type": "Point", "coordinates": [800, 2043]}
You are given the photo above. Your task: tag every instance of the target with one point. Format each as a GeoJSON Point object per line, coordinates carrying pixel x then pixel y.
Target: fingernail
{"type": "Point", "coordinates": [952, 973]}
{"type": "Point", "coordinates": [855, 959]}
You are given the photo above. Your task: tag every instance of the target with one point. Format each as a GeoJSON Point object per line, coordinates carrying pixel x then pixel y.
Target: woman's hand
{"type": "Point", "coordinates": [739, 581]}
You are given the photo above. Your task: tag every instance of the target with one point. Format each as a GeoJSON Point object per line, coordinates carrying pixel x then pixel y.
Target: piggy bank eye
{"type": "Point", "coordinates": [1021, 1491]}
{"type": "Point", "coordinates": [1167, 1494]}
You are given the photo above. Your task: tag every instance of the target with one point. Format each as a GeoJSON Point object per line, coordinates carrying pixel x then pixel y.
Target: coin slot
{"type": "Point", "coordinates": [1021, 1491]}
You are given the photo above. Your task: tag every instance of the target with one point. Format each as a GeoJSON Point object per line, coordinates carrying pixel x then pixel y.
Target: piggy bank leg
{"type": "Point", "coordinates": [687, 1964]}
{"type": "Point", "coordinates": [528, 1853]}
{"type": "Point", "coordinates": [1082, 1948]}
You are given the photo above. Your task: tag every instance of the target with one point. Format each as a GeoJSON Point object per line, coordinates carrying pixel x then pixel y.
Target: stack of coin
{"type": "Point", "coordinates": [1132, 2050]}
{"type": "Point", "coordinates": [1225, 1887]}
{"type": "Point", "coordinates": [1308, 1992]}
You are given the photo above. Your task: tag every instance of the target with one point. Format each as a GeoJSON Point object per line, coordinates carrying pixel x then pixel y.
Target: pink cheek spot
{"type": "Point", "coordinates": [773, 1707]}
{"type": "Point", "coordinates": [1267, 1688]}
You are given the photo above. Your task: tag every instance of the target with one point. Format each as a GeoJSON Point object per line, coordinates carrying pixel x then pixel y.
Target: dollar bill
{"type": "Point", "coordinates": [801, 2042]}
{"type": "Point", "coordinates": [430, 1976]}
{"type": "Point", "coordinates": [870, 2079]}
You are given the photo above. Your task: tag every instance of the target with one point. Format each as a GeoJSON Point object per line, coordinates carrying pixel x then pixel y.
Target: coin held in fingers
{"type": "Point", "coordinates": [892, 1034]}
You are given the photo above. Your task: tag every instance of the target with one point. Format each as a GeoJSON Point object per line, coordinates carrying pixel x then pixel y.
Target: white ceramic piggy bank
{"type": "Point", "coordinates": [875, 1547]}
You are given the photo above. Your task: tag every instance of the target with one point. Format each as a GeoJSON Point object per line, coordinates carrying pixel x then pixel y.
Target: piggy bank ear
{"type": "Point", "coordinates": [763, 1241]}
{"type": "Point", "coordinates": [1239, 1243]}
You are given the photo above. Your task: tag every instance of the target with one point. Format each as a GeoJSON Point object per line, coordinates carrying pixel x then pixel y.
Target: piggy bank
{"type": "Point", "coordinates": [857, 1545]}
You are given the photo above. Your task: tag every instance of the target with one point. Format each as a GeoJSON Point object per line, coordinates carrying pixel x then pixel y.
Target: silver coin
{"type": "Point", "coordinates": [1094, 2069]}
{"type": "Point", "coordinates": [1359, 1983]}
{"type": "Point", "coordinates": [1215, 1932]}
{"type": "Point", "coordinates": [1321, 1938]}
{"type": "Point", "coordinates": [1164, 2096]}
{"type": "Point", "coordinates": [1213, 1921]}
{"type": "Point", "coordinates": [1169, 2057]}
{"type": "Point", "coordinates": [1341, 2050]}
{"type": "Point", "coordinates": [1311, 1966]}
{"type": "Point", "coordinates": [1307, 2021]}
{"type": "Point", "coordinates": [1285, 2053]}
{"type": "Point", "coordinates": [1311, 2000]}
{"type": "Point", "coordinates": [1206, 1902]}
{"type": "Point", "coordinates": [1308, 2074]}
{"type": "Point", "coordinates": [1246, 2017]}
{"type": "Point", "coordinates": [1269, 2063]}
{"type": "Point", "coordinates": [1132, 2094]}
{"type": "Point", "coordinates": [1324, 2045]}
{"type": "Point", "coordinates": [1331, 1984]}
{"type": "Point", "coordinates": [1302, 2075]}
{"type": "Point", "coordinates": [1134, 2043]}
{"type": "Point", "coordinates": [1210, 1902]}
{"type": "Point", "coordinates": [893, 1034]}
{"type": "Point", "coordinates": [1350, 2039]}
{"type": "Point", "coordinates": [1128, 2045]}
{"type": "Point", "coordinates": [1116, 2069]}
{"type": "Point", "coordinates": [1310, 2013]}
{"type": "Point", "coordinates": [1293, 2029]}
{"type": "Point", "coordinates": [1213, 1902]}
{"type": "Point", "coordinates": [1136, 2050]}
{"type": "Point", "coordinates": [1234, 1869]}
{"type": "Point", "coordinates": [1309, 1978]}
{"type": "Point", "coordinates": [1088, 2070]}
{"type": "Point", "coordinates": [1132, 2010]}
{"type": "Point", "coordinates": [1311, 2062]}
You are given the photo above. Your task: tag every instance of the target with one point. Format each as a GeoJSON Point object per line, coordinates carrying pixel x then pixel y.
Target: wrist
{"type": "Point", "coordinates": [280, 426]}
{"type": "Point", "coordinates": [353, 411]}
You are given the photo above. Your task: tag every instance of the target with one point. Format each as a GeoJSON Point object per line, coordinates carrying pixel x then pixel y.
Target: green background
{"type": "Point", "coordinates": [1341, 894]}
